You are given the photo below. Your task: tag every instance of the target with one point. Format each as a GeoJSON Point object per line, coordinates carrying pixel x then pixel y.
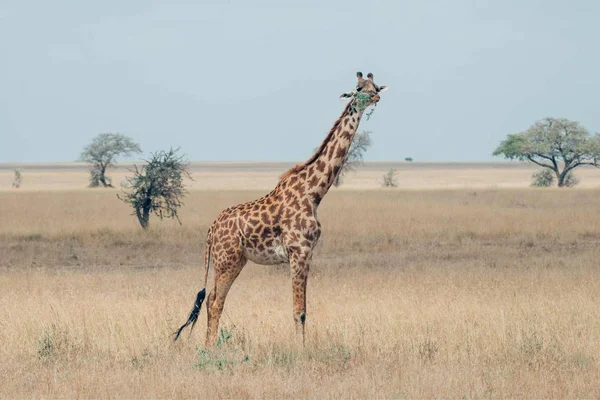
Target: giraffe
{"type": "Point", "coordinates": [282, 226]}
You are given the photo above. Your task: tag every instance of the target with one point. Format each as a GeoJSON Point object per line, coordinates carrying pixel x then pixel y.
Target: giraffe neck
{"type": "Point", "coordinates": [322, 172]}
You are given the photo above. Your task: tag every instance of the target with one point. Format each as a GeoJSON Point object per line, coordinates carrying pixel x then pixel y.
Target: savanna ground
{"type": "Point", "coordinates": [491, 291]}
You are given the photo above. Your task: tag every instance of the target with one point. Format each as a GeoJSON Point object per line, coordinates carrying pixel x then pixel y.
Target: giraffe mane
{"type": "Point", "coordinates": [320, 150]}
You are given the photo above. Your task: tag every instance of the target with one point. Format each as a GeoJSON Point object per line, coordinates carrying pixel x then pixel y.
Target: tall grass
{"type": "Point", "coordinates": [455, 294]}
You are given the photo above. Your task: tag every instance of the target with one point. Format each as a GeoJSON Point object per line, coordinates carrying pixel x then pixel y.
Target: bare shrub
{"type": "Point", "coordinates": [570, 180]}
{"type": "Point", "coordinates": [542, 178]}
{"type": "Point", "coordinates": [389, 179]}
{"type": "Point", "coordinates": [18, 178]}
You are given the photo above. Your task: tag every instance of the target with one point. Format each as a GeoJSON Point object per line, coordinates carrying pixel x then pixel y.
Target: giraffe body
{"type": "Point", "coordinates": [282, 226]}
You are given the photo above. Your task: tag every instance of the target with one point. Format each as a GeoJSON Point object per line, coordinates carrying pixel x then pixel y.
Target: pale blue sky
{"type": "Point", "coordinates": [259, 80]}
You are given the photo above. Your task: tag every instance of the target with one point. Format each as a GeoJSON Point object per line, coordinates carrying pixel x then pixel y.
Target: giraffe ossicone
{"type": "Point", "coordinates": [282, 226]}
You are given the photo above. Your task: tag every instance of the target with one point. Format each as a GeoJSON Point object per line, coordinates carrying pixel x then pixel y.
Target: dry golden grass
{"type": "Point", "coordinates": [419, 294]}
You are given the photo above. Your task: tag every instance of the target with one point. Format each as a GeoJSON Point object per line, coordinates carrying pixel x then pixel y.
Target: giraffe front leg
{"type": "Point", "coordinates": [300, 265]}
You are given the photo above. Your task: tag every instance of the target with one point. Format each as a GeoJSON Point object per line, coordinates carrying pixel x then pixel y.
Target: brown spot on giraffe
{"type": "Point", "coordinates": [266, 233]}
{"type": "Point", "coordinates": [294, 205]}
{"type": "Point", "coordinates": [265, 218]}
{"type": "Point", "coordinates": [332, 148]}
{"type": "Point", "coordinates": [276, 218]}
{"type": "Point", "coordinates": [282, 226]}
{"type": "Point", "coordinates": [320, 164]}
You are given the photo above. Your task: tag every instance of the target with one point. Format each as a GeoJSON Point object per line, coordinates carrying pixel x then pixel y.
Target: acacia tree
{"type": "Point", "coordinates": [558, 144]}
{"type": "Point", "coordinates": [157, 187]}
{"type": "Point", "coordinates": [354, 159]}
{"type": "Point", "coordinates": [103, 152]}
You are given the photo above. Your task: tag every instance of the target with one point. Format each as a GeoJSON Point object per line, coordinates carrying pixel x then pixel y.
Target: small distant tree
{"type": "Point", "coordinates": [18, 178]}
{"type": "Point", "coordinates": [157, 187]}
{"type": "Point", "coordinates": [559, 145]}
{"type": "Point", "coordinates": [103, 153]}
{"type": "Point", "coordinates": [408, 159]}
{"type": "Point", "coordinates": [355, 157]}
{"type": "Point", "coordinates": [389, 179]}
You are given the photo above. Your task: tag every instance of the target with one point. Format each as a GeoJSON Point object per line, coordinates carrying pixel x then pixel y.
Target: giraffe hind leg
{"type": "Point", "coordinates": [225, 275]}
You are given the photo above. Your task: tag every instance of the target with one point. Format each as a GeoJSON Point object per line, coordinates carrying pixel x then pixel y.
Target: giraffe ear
{"type": "Point", "coordinates": [346, 95]}
{"type": "Point", "coordinates": [382, 89]}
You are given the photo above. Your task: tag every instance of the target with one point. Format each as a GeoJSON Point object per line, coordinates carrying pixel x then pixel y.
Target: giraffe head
{"type": "Point", "coordinates": [366, 92]}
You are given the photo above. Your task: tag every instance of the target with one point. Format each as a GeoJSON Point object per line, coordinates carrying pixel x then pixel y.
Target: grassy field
{"type": "Point", "coordinates": [466, 293]}
{"type": "Point", "coordinates": [263, 176]}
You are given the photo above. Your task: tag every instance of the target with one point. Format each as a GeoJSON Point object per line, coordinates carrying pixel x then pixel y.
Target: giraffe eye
{"type": "Point", "coordinates": [358, 89]}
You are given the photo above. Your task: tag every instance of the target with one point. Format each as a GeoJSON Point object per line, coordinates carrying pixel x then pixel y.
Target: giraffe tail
{"type": "Point", "coordinates": [199, 297]}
